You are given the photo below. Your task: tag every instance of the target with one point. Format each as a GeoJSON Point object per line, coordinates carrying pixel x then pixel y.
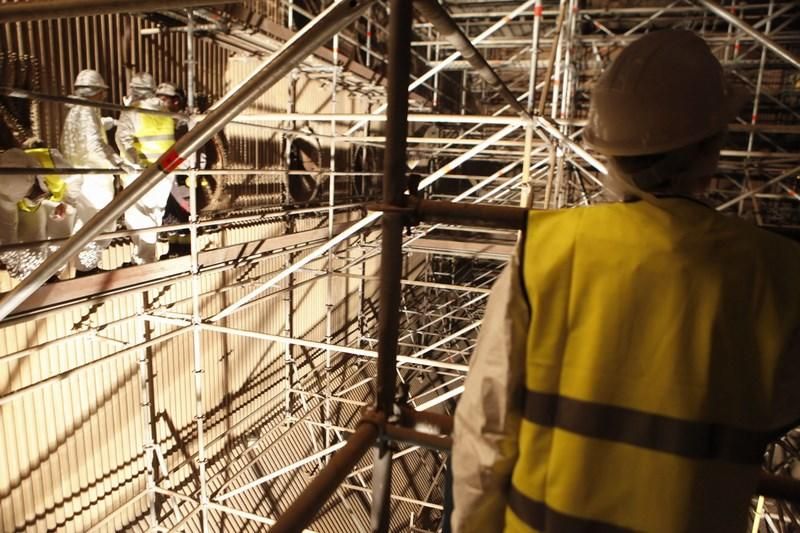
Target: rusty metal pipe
{"type": "Point", "coordinates": [311, 500]}
{"type": "Point", "coordinates": [425, 440]}
{"type": "Point", "coordinates": [481, 215]}
{"type": "Point", "coordinates": [392, 222]}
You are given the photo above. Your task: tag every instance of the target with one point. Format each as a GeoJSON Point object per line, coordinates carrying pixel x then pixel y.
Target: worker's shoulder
{"type": "Point", "coordinates": [546, 217]}
{"type": "Point", "coordinates": [768, 243]}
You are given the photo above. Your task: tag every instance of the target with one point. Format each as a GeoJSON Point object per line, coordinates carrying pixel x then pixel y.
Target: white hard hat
{"type": "Point", "coordinates": [664, 91]}
{"type": "Point", "coordinates": [143, 80]}
{"type": "Point", "coordinates": [166, 89]}
{"type": "Point", "coordinates": [91, 79]}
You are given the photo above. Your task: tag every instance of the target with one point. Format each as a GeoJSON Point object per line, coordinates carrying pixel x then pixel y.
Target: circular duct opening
{"type": "Point", "coordinates": [364, 160]}
{"type": "Point", "coordinates": [209, 192]}
{"type": "Point", "coordinates": [304, 164]}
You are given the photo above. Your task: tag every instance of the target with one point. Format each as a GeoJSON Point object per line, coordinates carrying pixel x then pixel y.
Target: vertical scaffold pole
{"type": "Point", "coordinates": [394, 169]}
{"type": "Point", "coordinates": [198, 350]}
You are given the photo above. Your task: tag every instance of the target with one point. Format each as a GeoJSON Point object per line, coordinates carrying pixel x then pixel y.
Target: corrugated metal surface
{"type": "Point", "coordinates": [82, 457]}
{"type": "Point", "coordinates": [113, 45]}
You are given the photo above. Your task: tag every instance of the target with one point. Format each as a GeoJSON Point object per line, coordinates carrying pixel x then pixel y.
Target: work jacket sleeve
{"type": "Point", "coordinates": [98, 150]}
{"type": "Point", "coordinates": [73, 181]}
{"type": "Point", "coordinates": [488, 415]}
{"type": "Point", "coordinates": [126, 136]}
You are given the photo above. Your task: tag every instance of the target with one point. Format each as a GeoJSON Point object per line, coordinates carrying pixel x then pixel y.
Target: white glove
{"type": "Point", "coordinates": [108, 122]}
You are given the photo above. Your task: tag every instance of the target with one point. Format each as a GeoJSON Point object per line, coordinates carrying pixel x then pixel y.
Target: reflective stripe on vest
{"type": "Point", "coordinates": [55, 184]}
{"type": "Point", "coordinates": [658, 338]}
{"type": "Point", "coordinates": [155, 134]}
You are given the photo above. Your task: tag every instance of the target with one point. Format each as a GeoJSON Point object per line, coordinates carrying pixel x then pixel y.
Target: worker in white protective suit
{"type": "Point", "coordinates": [84, 144]}
{"type": "Point", "coordinates": [33, 208]}
{"type": "Point", "coordinates": [142, 138]}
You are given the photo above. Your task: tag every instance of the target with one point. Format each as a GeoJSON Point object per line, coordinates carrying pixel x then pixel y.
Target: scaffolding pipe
{"type": "Point", "coordinates": [361, 352]}
{"type": "Point", "coordinates": [526, 198]}
{"type": "Point", "coordinates": [467, 155]}
{"type": "Point", "coordinates": [452, 57]}
{"type": "Point", "coordinates": [325, 483]}
{"type": "Point", "coordinates": [732, 19]}
{"type": "Point", "coordinates": [284, 470]}
{"type": "Point", "coordinates": [481, 215]}
{"type": "Point", "coordinates": [441, 20]}
{"type": "Point", "coordinates": [391, 259]}
{"type": "Point", "coordinates": [329, 260]}
{"type": "Point", "coordinates": [794, 171]}
{"type": "Point", "coordinates": [313, 35]}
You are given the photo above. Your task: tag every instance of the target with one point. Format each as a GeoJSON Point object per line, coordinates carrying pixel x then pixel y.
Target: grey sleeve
{"type": "Point", "coordinates": [488, 415]}
{"type": "Point", "coordinates": [125, 136]}
{"type": "Point", "coordinates": [97, 145]}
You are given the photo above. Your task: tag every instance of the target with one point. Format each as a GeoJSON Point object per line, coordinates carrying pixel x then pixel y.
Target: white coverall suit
{"type": "Point", "coordinates": [142, 138]}
{"type": "Point", "coordinates": [36, 222]}
{"type": "Point", "coordinates": [84, 145]}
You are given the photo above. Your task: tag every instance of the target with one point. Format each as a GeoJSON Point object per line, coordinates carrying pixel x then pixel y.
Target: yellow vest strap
{"type": "Point", "coordinates": [540, 517]}
{"type": "Point", "coordinates": [55, 183]}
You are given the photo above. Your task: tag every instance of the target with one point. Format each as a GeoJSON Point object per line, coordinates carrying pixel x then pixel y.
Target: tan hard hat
{"type": "Point", "coordinates": [143, 80]}
{"type": "Point", "coordinates": [664, 91]}
{"type": "Point", "coordinates": [166, 89]}
{"type": "Point", "coordinates": [90, 78]}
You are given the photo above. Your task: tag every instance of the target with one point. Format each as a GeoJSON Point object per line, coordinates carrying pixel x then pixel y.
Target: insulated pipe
{"type": "Point", "coordinates": [311, 37]}
{"type": "Point", "coordinates": [53, 9]}
{"type": "Point", "coordinates": [774, 47]}
{"type": "Point", "coordinates": [437, 15]}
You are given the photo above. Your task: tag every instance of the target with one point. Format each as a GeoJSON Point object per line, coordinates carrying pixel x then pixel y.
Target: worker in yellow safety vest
{"type": "Point", "coordinates": [33, 207]}
{"type": "Point", "coordinates": [62, 198]}
{"type": "Point", "coordinates": [142, 139]}
{"type": "Point", "coordinates": [637, 357]}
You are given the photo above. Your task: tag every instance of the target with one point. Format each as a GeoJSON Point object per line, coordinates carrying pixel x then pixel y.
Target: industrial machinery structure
{"type": "Point", "coordinates": [365, 165]}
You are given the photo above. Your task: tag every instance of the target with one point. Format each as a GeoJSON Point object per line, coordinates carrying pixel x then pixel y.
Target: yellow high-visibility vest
{"type": "Point", "coordinates": [55, 184]}
{"type": "Point", "coordinates": [661, 359]}
{"type": "Point", "coordinates": [155, 134]}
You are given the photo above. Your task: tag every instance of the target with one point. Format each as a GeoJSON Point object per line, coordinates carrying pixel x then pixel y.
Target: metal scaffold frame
{"type": "Point", "coordinates": [539, 163]}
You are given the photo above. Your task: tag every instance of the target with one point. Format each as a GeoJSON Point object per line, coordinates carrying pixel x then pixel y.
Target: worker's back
{"type": "Point", "coordinates": [657, 367]}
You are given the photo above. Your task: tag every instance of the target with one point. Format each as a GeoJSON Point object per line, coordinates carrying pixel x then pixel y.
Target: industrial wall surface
{"type": "Point", "coordinates": [81, 402]}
